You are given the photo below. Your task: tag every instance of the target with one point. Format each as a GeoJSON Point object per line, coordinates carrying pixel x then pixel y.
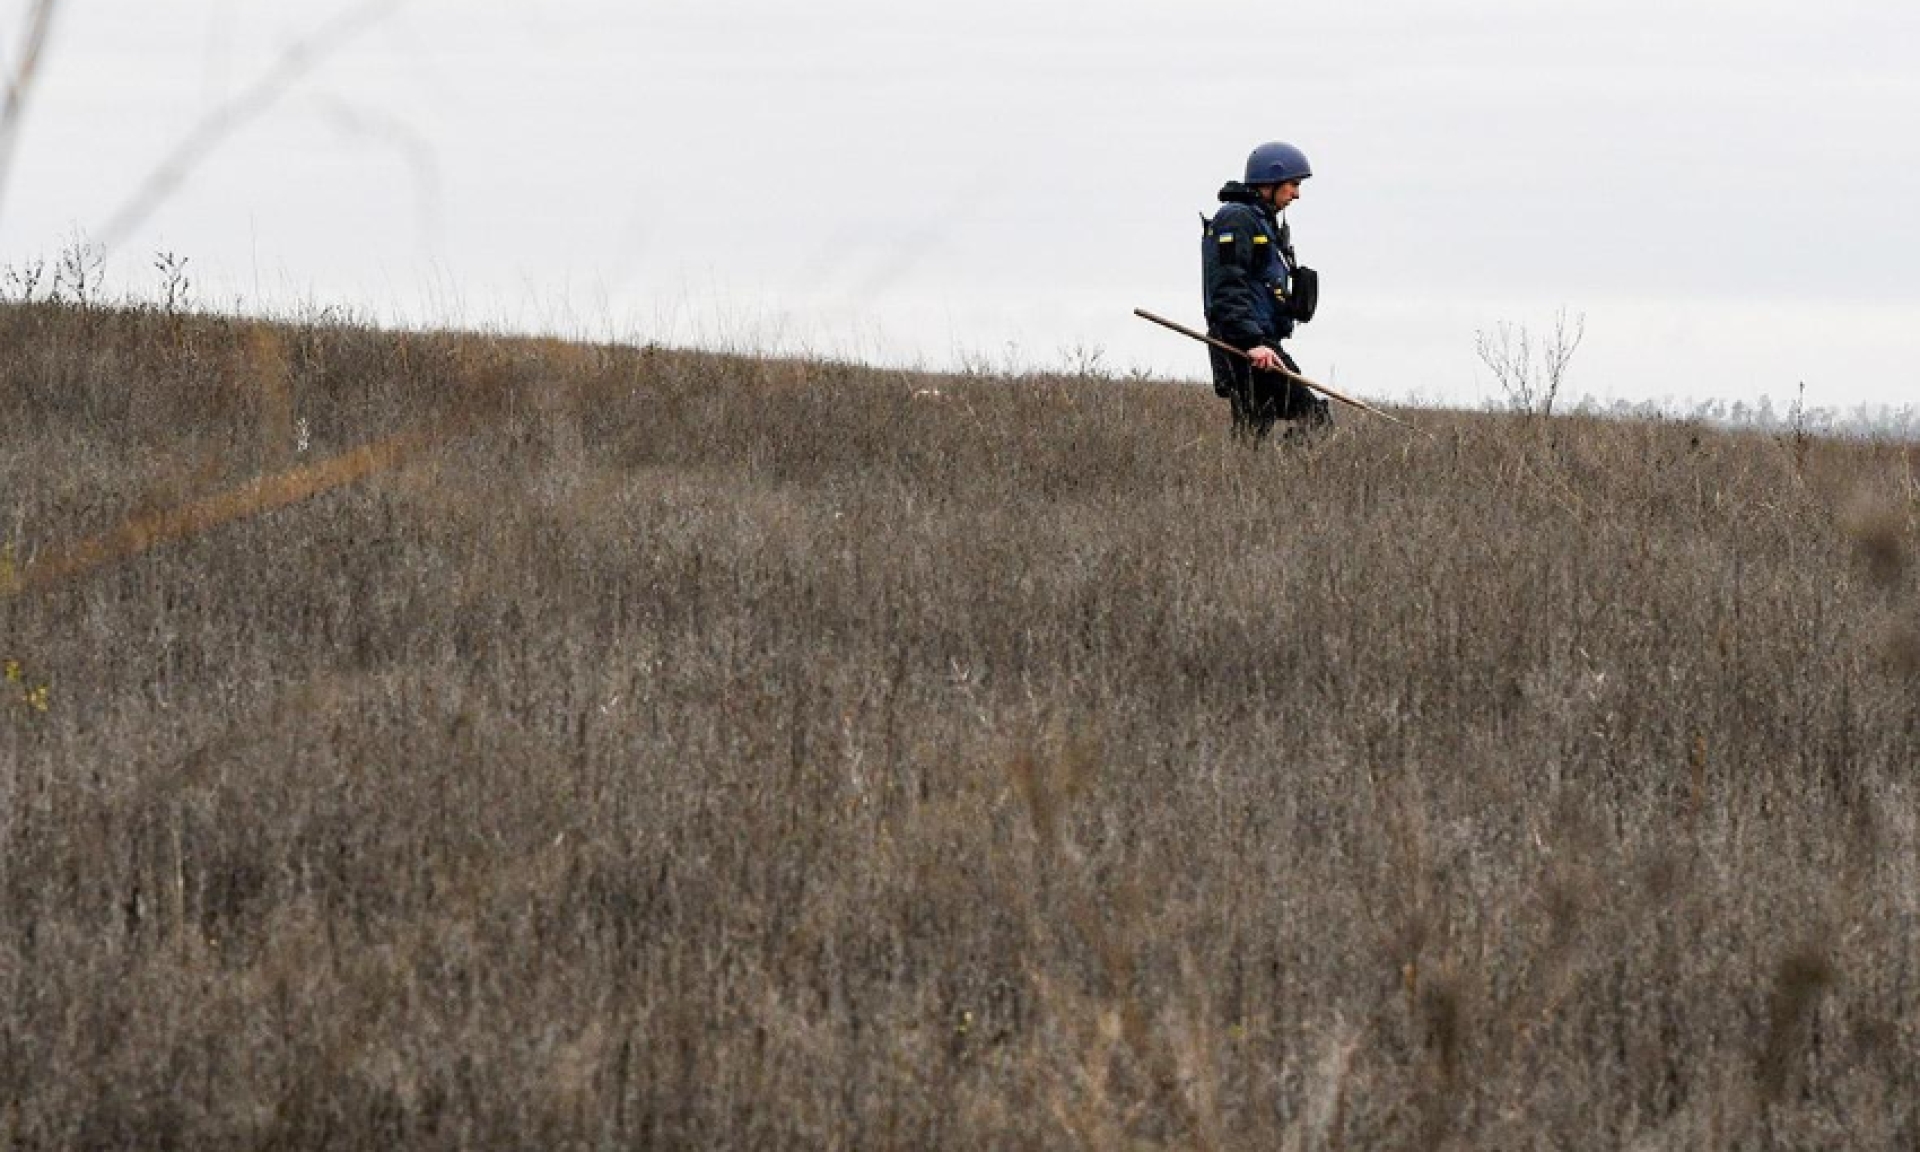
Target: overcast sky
{"type": "Point", "coordinates": [1725, 190]}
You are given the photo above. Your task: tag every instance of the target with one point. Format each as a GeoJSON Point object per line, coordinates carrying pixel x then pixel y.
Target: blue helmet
{"type": "Point", "coordinates": [1277, 163]}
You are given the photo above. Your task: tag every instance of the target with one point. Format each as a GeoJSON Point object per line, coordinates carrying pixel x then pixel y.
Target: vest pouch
{"type": "Point", "coordinates": [1303, 294]}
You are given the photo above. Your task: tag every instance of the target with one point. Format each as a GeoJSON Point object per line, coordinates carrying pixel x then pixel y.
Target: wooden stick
{"type": "Point", "coordinates": [1293, 376]}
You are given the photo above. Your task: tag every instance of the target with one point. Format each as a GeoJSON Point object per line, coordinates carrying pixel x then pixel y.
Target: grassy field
{"type": "Point", "coordinates": [674, 750]}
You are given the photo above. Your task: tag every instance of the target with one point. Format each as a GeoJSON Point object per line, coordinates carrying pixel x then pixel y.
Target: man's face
{"type": "Point", "coordinates": [1285, 194]}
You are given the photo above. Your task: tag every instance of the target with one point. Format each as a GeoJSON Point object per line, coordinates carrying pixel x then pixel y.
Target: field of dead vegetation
{"type": "Point", "coordinates": [640, 748]}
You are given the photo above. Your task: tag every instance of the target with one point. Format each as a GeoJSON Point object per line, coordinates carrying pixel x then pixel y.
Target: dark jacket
{"type": "Point", "coordinates": [1244, 276]}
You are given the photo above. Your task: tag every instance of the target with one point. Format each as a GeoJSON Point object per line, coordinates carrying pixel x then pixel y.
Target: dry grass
{"type": "Point", "coordinates": [693, 751]}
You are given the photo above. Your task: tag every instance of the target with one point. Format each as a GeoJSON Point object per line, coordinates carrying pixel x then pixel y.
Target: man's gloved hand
{"type": "Point", "coordinates": [1265, 358]}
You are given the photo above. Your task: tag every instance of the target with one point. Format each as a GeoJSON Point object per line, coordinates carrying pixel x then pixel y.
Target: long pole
{"type": "Point", "coordinates": [1293, 376]}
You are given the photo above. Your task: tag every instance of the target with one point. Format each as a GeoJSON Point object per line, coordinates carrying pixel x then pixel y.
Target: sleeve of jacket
{"type": "Point", "coordinates": [1233, 289]}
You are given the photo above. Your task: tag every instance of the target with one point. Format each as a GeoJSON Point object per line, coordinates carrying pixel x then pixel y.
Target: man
{"type": "Point", "coordinates": [1256, 292]}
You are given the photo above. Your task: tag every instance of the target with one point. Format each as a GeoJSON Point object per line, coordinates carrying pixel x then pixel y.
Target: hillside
{"type": "Point", "coordinates": [660, 749]}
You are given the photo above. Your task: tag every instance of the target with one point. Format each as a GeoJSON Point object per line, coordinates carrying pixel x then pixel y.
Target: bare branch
{"type": "Point", "coordinates": [415, 150]}
{"type": "Point", "coordinates": [296, 62]}
{"type": "Point", "coordinates": [39, 28]}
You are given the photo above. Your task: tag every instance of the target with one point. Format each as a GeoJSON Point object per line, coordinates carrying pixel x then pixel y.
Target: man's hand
{"type": "Point", "coordinates": [1265, 359]}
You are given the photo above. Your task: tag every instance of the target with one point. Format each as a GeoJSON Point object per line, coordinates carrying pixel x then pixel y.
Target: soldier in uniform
{"type": "Point", "coordinates": [1256, 292]}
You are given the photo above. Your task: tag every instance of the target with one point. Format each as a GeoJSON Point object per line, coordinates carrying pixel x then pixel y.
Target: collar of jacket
{"type": "Point", "coordinates": [1234, 192]}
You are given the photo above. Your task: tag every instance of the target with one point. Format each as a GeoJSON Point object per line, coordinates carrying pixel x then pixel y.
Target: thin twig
{"type": "Point", "coordinates": [20, 83]}
{"type": "Point", "coordinates": [297, 61]}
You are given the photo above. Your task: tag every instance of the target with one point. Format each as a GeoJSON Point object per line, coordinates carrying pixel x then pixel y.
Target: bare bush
{"type": "Point", "coordinates": [1530, 370]}
{"type": "Point", "coordinates": [176, 285]}
{"type": "Point", "coordinates": [79, 272]}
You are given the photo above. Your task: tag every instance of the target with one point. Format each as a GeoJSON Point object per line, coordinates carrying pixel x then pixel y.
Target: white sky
{"type": "Point", "coordinates": [1725, 190]}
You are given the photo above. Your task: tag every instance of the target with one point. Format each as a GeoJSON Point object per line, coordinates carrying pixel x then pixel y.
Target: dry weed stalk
{"type": "Point", "coordinates": [258, 496]}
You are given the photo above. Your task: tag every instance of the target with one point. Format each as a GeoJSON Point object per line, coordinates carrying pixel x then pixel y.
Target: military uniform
{"type": "Point", "coordinates": [1247, 273]}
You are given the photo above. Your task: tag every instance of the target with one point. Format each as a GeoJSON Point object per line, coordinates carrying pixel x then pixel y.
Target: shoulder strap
{"type": "Point", "coordinates": [1286, 244]}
